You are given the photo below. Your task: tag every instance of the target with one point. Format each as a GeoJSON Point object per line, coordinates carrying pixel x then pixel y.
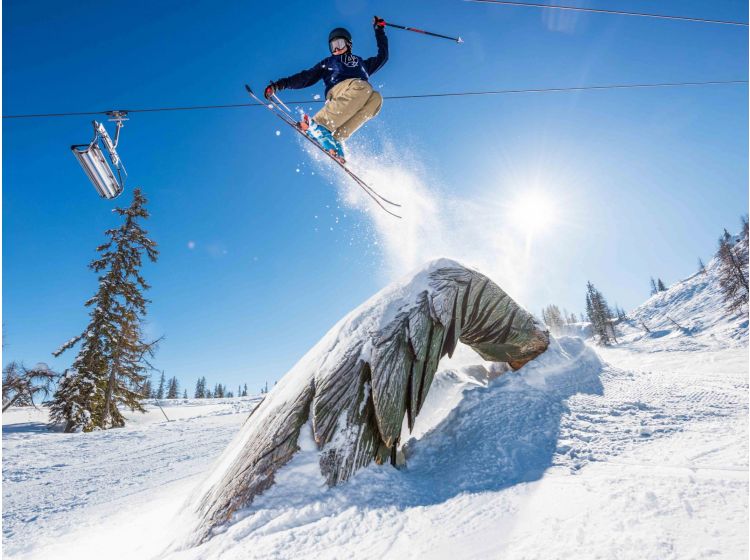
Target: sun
{"type": "Point", "coordinates": [533, 212]}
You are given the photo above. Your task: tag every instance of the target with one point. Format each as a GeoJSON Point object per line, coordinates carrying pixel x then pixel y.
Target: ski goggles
{"type": "Point", "coordinates": [337, 44]}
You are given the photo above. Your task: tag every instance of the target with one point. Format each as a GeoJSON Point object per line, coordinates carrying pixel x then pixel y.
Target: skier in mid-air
{"type": "Point", "coordinates": [350, 99]}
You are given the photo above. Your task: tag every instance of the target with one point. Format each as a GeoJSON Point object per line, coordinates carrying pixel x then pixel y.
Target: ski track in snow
{"type": "Point", "coordinates": [630, 452]}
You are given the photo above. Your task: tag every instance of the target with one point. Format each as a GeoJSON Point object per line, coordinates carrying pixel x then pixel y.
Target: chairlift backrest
{"type": "Point", "coordinates": [92, 160]}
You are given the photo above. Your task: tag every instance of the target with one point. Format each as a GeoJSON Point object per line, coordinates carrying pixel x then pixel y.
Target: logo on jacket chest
{"type": "Point", "coordinates": [349, 60]}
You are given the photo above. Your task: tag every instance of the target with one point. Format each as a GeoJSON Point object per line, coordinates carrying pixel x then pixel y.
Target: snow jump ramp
{"type": "Point", "coordinates": [370, 371]}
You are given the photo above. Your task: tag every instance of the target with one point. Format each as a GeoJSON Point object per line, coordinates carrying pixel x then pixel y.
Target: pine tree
{"type": "Point", "coordinates": [660, 286]}
{"type": "Point", "coordinates": [553, 318]}
{"type": "Point", "coordinates": [654, 288]}
{"type": "Point", "coordinates": [621, 315]}
{"type": "Point", "coordinates": [160, 389]}
{"type": "Point", "coordinates": [701, 266]}
{"type": "Point", "coordinates": [147, 390]}
{"type": "Point", "coordinates": [200, 388]}
{"type": "Point", "coordinates": [733, 269]}
{"type": "Point", "coordinates": [173, 391]}
{"type": "Point", "coordinates": [113, 355]}
{"type": "Point", "coordinates": [244, 390]}
{"type": "Point", "coordinates": [209, 395]}
{"type": "Point", "coordinates": [219, 391]}
{"type": "Point", "coordinates": [184, 394]}
{"type": "Point", "coordinates": [599, 314]}
{"type": "Point", "coordinates": [569, 318]}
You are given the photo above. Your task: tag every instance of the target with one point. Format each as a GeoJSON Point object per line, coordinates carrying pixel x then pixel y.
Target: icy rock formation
{"type": "Point", "coordinates": [357, 384]}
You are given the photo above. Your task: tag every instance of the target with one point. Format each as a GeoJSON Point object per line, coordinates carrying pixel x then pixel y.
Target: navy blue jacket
{"type": "Point", "coordinates": [335, 69]}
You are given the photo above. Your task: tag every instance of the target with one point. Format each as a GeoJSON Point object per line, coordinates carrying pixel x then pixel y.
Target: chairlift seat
{"type": "Point", "coordinates": [100, 173]}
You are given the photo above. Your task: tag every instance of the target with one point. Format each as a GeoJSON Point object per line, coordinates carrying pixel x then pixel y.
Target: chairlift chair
{"type": "Point", "coordinates": [92, 160]}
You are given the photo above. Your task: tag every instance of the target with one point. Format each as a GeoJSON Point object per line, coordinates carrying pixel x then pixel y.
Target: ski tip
{"type": "Point", "coordinates": [248, 88]}
{"type": "Point", "coordinates": [459, 40]}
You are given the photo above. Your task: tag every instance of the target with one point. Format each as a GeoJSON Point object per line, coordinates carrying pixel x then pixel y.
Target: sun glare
{"type": "Point", "coordinates": [533, 212]}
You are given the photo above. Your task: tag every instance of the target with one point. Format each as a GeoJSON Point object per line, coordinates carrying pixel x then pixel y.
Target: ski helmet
{"type": "Point", "coordinates": [340, 33]}
{"type": "Point", "coordinates": [337, 36]}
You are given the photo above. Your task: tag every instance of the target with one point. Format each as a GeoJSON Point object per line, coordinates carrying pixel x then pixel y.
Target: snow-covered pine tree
{"type": "Point", "coordinates": [244, 390]}
{"type": "Point", "coordinates": [660, 286]}
{"type": "Point", "coordinates": [701, 266]}
{"type": "Point", "coordinates": [113, 355]}
{"type": "Point", "coordinates": [173, 391]}
{"type": "Point", "coordinates": [209, 395]}
{"type": "Point", "coordinates": [733, 269]}
{"type": "Point", "coordinates": [184, 394]}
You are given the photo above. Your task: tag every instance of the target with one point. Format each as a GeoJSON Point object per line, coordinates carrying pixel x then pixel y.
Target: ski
{"type": "Point", "coordinates": [287, 113]}
{"type": "Point", "coordinates": [289, 121]}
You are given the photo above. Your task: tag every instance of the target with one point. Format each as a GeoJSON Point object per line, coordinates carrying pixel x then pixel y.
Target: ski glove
{"type": "Point", "coordinates": [271, 88]}
{"type": "Point", "coordinates": [378, 23]}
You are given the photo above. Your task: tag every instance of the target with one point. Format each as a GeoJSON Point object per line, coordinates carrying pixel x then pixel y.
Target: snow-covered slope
{"type": "Point", "coordinates": [54, 482]}
{"type": "Point", "coordinates": [635, 451]}
{"type": "Point", "coordinates": [690, 315]}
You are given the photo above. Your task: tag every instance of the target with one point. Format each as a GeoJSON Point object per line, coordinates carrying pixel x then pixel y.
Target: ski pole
{"type": "Point", "coordinates": [162, 411]}
{"type": "Point", "coordinates": [280, 102]}
{"type": "Point", "coordinates": [423, 32]}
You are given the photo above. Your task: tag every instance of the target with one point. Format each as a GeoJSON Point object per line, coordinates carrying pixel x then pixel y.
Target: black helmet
{"type": "Point", "coordinates": [340, 33]}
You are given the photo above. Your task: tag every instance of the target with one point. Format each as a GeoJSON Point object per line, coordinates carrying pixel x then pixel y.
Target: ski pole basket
{"type": "Point", "coordinates": [108, 181]}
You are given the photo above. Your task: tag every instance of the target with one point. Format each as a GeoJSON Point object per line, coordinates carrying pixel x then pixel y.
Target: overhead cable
{"type": "Point", "coordinates": [611, 12]}
{"type": "Point", "coordinates": [396, 97]}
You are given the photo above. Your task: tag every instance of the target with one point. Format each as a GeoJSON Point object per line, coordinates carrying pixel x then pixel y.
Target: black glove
{"type": "Point", "coordinates": [378, 23]}
{"type": "Point", "coordinates": [271, 88]}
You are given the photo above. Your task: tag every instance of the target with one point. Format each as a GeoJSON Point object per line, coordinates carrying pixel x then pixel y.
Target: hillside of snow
{"type": "Point", "coordinates": [634, 451]}
{"type": "Point", "coordinates": [690, 315]}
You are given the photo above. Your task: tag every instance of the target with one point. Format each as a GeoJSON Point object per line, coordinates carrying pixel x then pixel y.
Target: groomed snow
{"type": "Point", "coordinates": [637, 451]}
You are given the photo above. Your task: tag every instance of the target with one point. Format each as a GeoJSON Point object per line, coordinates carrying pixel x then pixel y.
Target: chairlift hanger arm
{"type": "Point", "coordinates": [118, 117]}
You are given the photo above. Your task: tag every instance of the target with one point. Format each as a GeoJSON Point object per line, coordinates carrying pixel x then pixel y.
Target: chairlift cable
{"type": "Point", "coordinates": [394, 97]}
{"type": "Point", "coordinates": [610, 12]}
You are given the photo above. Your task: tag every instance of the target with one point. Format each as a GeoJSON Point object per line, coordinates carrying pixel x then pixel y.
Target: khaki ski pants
{"type": "Point", "coordinates": [349, 105]}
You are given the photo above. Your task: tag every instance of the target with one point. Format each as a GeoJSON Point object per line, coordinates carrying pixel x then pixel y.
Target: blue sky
{"type": "Point", "coordinates": [641, 182]}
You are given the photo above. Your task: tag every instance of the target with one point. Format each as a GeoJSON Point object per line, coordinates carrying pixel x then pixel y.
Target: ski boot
{"type": "Point", "coordinates": [322, 136]}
